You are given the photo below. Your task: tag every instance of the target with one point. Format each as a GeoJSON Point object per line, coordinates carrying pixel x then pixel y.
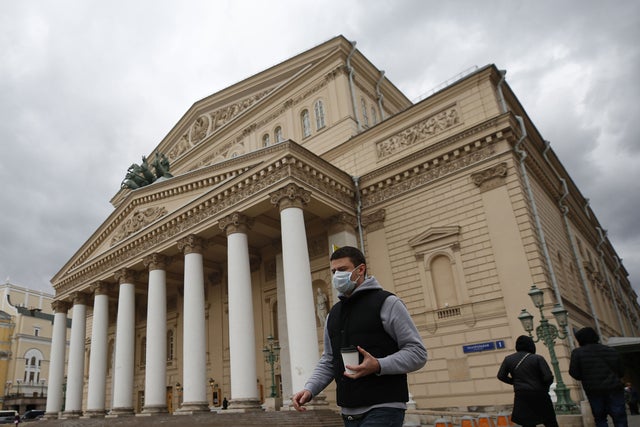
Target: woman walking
{"type": "Point", "coordinates": [531, 377]}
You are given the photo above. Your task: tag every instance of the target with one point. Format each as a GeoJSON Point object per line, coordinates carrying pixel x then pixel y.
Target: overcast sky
{"type": "Point", "coordinates": [88, 87]}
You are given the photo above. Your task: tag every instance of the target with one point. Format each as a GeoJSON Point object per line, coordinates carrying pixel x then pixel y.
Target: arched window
{"type": "Point", "coordinates": [32, 359]}
{"type": "Point", "coordinates": [278, 135]}
{"type": "Point", "coordinates": [443, 281]}
{"type": "Point", "coordinates": [170, 344]}
{"type": "Point", "coordinates": [374, 116]}
{"type": "Point", "coordinates": [319, 110]}
{"type": "Point", "coordinates": [365, 118]}
{"type": "Point", "coordinates": [265, 140]}
{"type": "Point", "coordinates": [306, 123]}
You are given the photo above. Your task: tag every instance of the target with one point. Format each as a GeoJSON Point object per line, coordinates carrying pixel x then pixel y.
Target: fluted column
{"type": "Point", "coordinates": [98, 356]}
{"type": "Point", "coordinates": [301, 321]}
{"type": "Point", "coordinates": [125, 345]}
{"type": "Point", "coordinates": [75, 370]}
{"type": "Point", "coordinates": [242, 349]}
{"type": "Point", "coordinates": [194, 353]}
{"type": "Point", "coordinates": [155, 388]}
{"type": "Point", "coordinates": [56, 364]}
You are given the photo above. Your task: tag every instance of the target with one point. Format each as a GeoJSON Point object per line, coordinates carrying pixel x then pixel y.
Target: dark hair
{"type": "Point", "coordinates": [586, 336]}
{"type": "Point", "coordinates": [525, 343]}
{"type": "Point", "coordinates": [355, 256]}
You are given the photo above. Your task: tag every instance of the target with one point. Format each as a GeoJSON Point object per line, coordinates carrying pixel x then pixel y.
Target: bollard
{"type": "Point", "coordinates": [442, 422]}
{"type": "Point", "coordinates": [504, 420]}
{"type": "Point", "coordinates": [468, 421]}
{"type": "Point", "coordinates": [485, 420]}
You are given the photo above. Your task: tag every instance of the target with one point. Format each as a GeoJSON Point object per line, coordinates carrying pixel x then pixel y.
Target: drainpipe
{"type": "Point", "coordinates": [380, 96]}
{"type": "Point", "coordinates": [534, 209]}
{"type": "Point", "coordinates": [356, 182]}
{"type": "Point", "coordinates": [603, 267]}
{"type": "Point", "coordinates": [353, 95]}
{"type": "Point", "coordinates": [565, 212]}
{"type": "Point", "coordinates": [503, 104]}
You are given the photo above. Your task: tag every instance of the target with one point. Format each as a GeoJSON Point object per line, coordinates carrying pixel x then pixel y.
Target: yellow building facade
{"type": "Point", "coordinates": [457, 201]}
{"type": "Point", "coordinates": [26, 321]}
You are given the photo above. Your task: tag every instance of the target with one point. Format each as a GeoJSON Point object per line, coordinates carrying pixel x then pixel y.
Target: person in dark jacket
{"type": "Point", "coordinates": [600, 369]}
{"type": "Point", "coordinates": [531, 377]}
{"type": "Point", "coordinates": [372, 389]}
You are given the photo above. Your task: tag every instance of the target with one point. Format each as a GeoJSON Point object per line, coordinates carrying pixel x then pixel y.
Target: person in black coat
{"type": "Point", "coordinates": [600, 369]}
{"type": "Point", "coordinates": [531, 377]}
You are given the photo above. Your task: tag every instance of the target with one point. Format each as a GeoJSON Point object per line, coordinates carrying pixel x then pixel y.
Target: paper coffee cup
{"type": "Point", "coordinates": [350, 356]}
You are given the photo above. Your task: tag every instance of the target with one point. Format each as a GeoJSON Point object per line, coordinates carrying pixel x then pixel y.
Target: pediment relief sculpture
{"type": "Point", "coordinates": [137, 221]}
{"type": "Point", "coordinates": [427, 128]}
{"type": "Point", "coordinates": [208, 122]}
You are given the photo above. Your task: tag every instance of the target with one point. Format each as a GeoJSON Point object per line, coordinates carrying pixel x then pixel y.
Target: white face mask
{"type": "Point", "coordinates": [342, 281]}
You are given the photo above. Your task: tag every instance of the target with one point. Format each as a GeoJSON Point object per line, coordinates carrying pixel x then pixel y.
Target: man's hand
{"type": "Point", "coordinates": [369, 365]}
{"type": "Point", "coordinates": [300, 398]}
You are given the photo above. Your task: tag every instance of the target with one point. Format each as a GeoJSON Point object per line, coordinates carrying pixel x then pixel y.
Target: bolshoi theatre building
{"type": "Point", "coordinates": [210, 279]}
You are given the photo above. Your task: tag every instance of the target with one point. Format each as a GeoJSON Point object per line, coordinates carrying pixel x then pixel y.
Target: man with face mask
{"type": "Point", "coordinates": [374, 391]}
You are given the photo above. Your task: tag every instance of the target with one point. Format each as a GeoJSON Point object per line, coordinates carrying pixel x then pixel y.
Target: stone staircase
{"type": "Point", "coordinates": [311, 418]}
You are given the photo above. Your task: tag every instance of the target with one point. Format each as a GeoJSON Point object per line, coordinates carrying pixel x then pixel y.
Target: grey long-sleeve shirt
{"type": "Point", "coordinates": [396, 321]}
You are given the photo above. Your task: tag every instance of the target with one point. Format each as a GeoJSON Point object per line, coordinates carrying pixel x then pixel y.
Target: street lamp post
{"type": "Point", "coordinates": [271, 351]}
{"type": "Point", "coordinates": [547, 333]}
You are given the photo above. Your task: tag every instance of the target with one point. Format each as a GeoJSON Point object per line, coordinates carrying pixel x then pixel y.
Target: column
{"type": "Point", "coordinates": [75, 369]}
{"type": "Point", "coordinates": [125, 345]}
{"type": "Point", "coordinates": [242, 350]}
{"type": "Point", "coordinates": [301, 317]}
{"type": "Point", "coordinates": [98, 356]}
{"type": "Point", "coordinates": [56, 364]}
{"type": "Point", "coordinates": [194, 353]}
{"type": "Point", "coordinates": [155, 382]}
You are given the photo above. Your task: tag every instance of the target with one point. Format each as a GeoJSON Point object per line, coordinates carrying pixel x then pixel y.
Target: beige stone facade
{"type": "Point", "coordinates": [458, 202]}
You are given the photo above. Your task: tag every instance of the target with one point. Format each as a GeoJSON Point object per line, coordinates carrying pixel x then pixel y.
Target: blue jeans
{"type": "Point", "coordinates": [378, 417]}
{"type": "Point", "coordinates": [608, 404]}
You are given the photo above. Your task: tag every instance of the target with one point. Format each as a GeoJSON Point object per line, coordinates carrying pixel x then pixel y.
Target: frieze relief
{"type": "Point", "coordinates": [424, 176]}
{"type": "Point", "coordinates": [419, 132]}
{"type": "Point", "coordinates": [140, 219]}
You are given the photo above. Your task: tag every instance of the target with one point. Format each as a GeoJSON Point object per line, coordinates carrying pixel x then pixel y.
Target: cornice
{"type": "Point", "coordinates": [293, 162]}
{"type": "Point", "coordinates": [405, 176]}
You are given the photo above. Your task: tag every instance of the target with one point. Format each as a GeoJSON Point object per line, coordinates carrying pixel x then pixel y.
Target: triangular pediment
{"type": "Point", "coordinates": [435, 235]}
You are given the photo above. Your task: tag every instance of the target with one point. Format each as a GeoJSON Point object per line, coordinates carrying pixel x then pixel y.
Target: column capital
{"type": "Point", "coordinates": [290, 196]}
{"type": "Point", "coordinates": [236, 223]}
{"type": "Point", "coordinates": [125, 275]}
{"type": "Point", "coordinates": [100, 287]}
{"type": "Point", "coordinates": [79, 298]}
{"type": "Point", "coordinates": [60, 306]}
{"type": "Point", "coordinates": [342, 222]}
{"type": "Point", "coordinates": [375, 221]}
{"type": "Point", "coordinates": [156, 261]}
{"type": "Point", "coordinates": [191, 244]}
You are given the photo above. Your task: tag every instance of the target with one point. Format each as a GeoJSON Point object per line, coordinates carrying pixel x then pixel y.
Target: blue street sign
{"type": "Point", "coordinates": [483, 346]}
{"type": "Point", "coordinates": [500, 344]}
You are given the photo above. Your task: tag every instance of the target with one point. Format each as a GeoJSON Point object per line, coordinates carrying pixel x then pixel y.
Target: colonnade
{"type": "Point", "coordinates": [300, 320]}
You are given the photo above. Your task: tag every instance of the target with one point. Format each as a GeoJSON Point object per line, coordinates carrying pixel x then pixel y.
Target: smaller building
{"type": "Point", "coordinates": [26, 326]}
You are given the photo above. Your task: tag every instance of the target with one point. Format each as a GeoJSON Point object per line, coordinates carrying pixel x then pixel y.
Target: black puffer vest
{"type": "Point", "coordinates": [355, 321]}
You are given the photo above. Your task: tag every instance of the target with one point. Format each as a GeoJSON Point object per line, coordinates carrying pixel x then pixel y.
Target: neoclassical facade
{"type": "Point", "coordinates": [458, 202]}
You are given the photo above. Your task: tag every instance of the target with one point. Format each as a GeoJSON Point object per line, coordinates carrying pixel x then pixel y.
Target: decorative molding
{"type": "Point", "coordinates": [140, 219]}
{"type": "Point", "coordinates": [125, 275]}
{"type": "Point", "coordinates": [427, 128]}
{"type": "Point", "coordinates": [490, 178]}
{"type": "Point", "coordinates": [100, 288]}
{"type": "Point", "coordinates": [342, 222]}
{"type": "Point", "coordinates": [421, 176]}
